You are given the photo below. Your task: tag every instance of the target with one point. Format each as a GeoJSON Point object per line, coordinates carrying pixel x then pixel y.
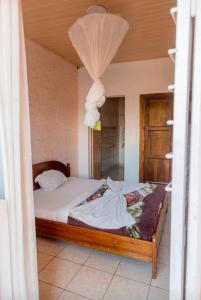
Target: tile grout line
{"type": "Point", "coordinates": [54, 286]}
{"type": "Point", "coordinates": [84, 265]}
{"type": "Point", "coordinates": [89, 256]}
{"type": "Point", "coordinates": [59, 295]}
{"type": "Point", "coordinates": [38, 251]}
{"type": "Point", "coordinates": [81, 265]}
{"type": "Point", "coordinates": [159, 288]}
{"type": "Point", "coordinates": [51, 284]}
{"type": "Point", "coordinates": [137, 281]}
{"type": "Point", "coordinates": [133, 280]}
{"type": "Point", "coordinates": [113, 275]}
{"type": "Point", "coordinates": [148, 292]}
{"type": "Point", "coordinates": [76, 294]}
{"type": "Point", "coordinates": [53, 257]}
{"type": "Point", "coordinates": [93, 268]}
{"type": "Point", "coordinates": [66, 287]}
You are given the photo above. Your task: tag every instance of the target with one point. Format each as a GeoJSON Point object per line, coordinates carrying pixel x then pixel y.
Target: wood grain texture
{"type": "Point", "coordinates": [155, 137]}
{"type": "Point", "coordinates": [151, 31]}
{"type": "Point", "coordinates": [108, 242]}
{"type": "Point", "coordinates": [95, 239]}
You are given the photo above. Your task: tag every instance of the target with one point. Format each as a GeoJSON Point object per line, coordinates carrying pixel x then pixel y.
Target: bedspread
{"type": "Point", "coordinates": [145, 209]}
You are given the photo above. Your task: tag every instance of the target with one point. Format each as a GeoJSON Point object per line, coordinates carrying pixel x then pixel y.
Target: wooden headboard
{"type": "Point", "coordinates": [49, 165]}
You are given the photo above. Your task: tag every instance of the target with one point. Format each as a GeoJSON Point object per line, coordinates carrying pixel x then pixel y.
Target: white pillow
{"type": "Point", "coordinates": [50, 180]}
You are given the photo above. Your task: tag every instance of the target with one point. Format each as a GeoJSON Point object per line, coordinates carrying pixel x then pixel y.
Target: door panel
{"type": "Point", "coordinates": [159, 105]}
{"type": "Point", "coordinates": [158, 142]}
{"type": "Point", "coordinates": [156, 137]}
{"type": "Point", "coordinates": [157, 170]}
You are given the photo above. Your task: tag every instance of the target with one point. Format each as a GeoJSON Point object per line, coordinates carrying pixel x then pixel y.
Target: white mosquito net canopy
{"type": "Point", "coordinates": [96, 37]}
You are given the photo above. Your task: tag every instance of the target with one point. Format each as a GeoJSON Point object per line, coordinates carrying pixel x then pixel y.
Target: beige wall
{"type": "Point", "coordinates": [130, 80]}
{"type": "Point", "coordinates": [53, 106]}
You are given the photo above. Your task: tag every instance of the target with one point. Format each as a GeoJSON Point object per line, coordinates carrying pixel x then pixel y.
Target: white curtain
{"type": "Point", "coordinates": [96, 38]}
{"type": "Point", "coordinates": [16, 153]}
{"type": "Point", "coordinates": [1, 176]}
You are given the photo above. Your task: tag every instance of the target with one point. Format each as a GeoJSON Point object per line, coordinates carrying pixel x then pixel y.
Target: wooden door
{"type": "Point", "coordinates": [155, 137]}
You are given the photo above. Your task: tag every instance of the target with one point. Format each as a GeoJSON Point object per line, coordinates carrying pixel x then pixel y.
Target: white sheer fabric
{"type": "Point", "coordinates": [96, 38]}
{"type": "Point", "coordinates": [21, 269]}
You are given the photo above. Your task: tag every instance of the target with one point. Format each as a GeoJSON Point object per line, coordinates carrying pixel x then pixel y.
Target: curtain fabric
{"type": "Point", "coordinates": [16, 153]}
{"type": "Point", "coordinates": [96, 38]}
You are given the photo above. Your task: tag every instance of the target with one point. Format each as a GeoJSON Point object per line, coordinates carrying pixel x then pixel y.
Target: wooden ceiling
{"type": "Point", "coordinates": [151, 32]}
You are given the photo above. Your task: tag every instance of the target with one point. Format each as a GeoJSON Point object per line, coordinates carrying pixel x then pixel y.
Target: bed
{"type": "Point", "coordinates": [52, 223]}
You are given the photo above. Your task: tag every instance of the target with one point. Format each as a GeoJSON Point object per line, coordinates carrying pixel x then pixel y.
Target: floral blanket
{"type": "Point", "coordinates": [135, 204]}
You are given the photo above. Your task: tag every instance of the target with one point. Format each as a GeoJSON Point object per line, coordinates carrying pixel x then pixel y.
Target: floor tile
{"type": "Point", "coordinates": [90, 283]}
{"type": "Point", "coordinates": [75, 253]}
{"type": "Point", "coordinates": [105, 262]}
{"type": "Point", "coordinates": [157, 294]}
{"type": "Point", "coordinates": [48, 246]}
{"type": "Point", "coordinates": [164, 254]}
{"type": "Point", "coordinates": [162, 280]}
{"type": "Point", "coordinates": [135, 270]}
{"type": "Point", "coordinates": [43, 260]}
{"type": "Point", "coordinates": [126, 289]}
{"type": "Point", "coordinates": [59, 272]}
{"type": "Point", "coordinates": [48, 292]}
{"type": "Point", "coordinates": [70, 296]}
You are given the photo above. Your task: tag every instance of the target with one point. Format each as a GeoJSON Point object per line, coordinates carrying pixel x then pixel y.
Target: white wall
{"type": "Point", "coordinates": [130, 80]}
{"type": "Point", "coordinates": [121, 131]}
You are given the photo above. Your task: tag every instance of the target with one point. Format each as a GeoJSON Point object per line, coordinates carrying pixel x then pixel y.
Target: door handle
{"type": "Point", "coordinates": [169, 155]}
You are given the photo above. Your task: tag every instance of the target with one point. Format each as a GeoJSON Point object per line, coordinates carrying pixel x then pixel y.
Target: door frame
{"type": "Point", "coordinates": [143, 99]}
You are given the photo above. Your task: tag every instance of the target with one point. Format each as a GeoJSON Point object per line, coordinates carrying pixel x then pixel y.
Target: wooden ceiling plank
{"type": "Point", "coordinates": [151, 29]}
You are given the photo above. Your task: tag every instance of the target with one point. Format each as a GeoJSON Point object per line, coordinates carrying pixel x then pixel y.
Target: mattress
{"type": "Point", "coordinates": [55, 205]}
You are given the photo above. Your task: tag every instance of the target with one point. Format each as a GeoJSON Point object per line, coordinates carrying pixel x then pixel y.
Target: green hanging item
{"type": "Point", "coordinates": [98, 125]}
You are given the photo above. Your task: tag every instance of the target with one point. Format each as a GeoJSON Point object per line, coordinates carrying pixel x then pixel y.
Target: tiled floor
{"type": "Point", "coordinates": [71, 272]}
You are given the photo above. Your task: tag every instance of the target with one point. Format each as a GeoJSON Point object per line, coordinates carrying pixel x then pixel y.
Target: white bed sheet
{"type": "Point", "coordinates": [56, 205]}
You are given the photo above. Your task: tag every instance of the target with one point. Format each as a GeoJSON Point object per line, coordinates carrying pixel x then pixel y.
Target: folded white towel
{"type": "Point", "coordinates": [109, 211]}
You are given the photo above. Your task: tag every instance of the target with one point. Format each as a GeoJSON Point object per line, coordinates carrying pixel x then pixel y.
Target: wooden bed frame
{"type": "Point", "coordinates": [109, 242]}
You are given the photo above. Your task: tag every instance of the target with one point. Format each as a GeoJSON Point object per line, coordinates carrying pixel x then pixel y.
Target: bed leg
{"type": "Point", "coordinates": [154, 257]}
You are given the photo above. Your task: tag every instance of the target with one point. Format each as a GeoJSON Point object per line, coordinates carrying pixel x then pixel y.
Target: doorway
{"type": "Point", "coordinates": [155, 137]}
{"type": "Point", "coordinates": [108, 141]}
